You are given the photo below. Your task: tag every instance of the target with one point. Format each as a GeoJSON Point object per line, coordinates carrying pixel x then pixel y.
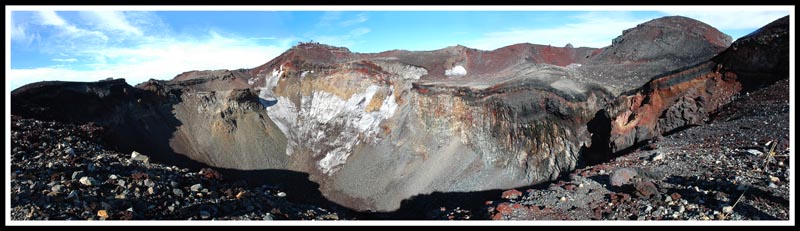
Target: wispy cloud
{"type": "Point", "coordinates": [732, 20]}
{"type": "Point", "coordinates": [162, 60]}
{"type": "Point", "coordinates": [69, 34]}
{"type": "Point", "coordinates": [331, 25]}
{"type": "Point", "coordinates": [111, 21]}
{"type": "Point", "coordinates": [346, 40]}
{"type": "Point", "coordinates": [114, 44]}
{"type": "Point", "coordinates": [360, 18]}
{"type": "Point", "coordinates": [50, 18]}
{"type": "Point", "coordinates": [20, 34]}
{"type": "Point", "coordinates": [590, 30]}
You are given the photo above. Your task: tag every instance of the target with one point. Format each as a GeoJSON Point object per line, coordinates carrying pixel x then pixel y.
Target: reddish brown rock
{"type": "Point", "coordinates": [511, 194]}
{"type": "Point", "coordinates": [645, 189]}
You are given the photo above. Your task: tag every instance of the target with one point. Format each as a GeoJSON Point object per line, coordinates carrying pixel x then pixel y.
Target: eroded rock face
{"type": "Point", "coordinates": [375, 129]}
{"type": "Point", "coordinates": [653, 48]}
{"type": "Point", "coordinates": [687, 96]}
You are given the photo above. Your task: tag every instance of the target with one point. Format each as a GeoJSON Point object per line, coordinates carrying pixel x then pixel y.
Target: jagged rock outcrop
{"type": "Point", "coordinates": [375, 129]}
{"type": "Point", "coordinates": [652, 48]}
{"type": "Point", "coordinates": [687, 96]}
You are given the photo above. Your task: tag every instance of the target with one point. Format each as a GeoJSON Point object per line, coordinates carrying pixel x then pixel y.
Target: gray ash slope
{"type": "Point", "coordinates": [375, 129]}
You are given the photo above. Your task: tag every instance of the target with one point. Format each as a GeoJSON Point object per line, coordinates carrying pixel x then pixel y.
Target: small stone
{"type": "Point", "coordinates": [646, 189]}
{"type": "Point", "coordinates": [139, 157]}
{"type": "Point", "coordinates": [151, 191]}
{"type": "Point", "coordinates": [70, 151]}
{"type": "Point", "coordinates": [120, 196]}
{"type": "Point", "coordinates": [562, 199]}
{"type": "Point", "coordinates": [772, 185]}
{"type": "Point", "coordinates": [241, 195]}
{"type": "Point", "coordinates": [73, 194]}
{"type": "Point", "coordinates": [774, 179]}
{"type": "Point", "coordinates": [648, 209]}
{"type": "Point", "coordinates": [283, 194]}
{"type": "Point", "coordinates": [149, 183]}
{"type": "Point", "coordinates": [178, 192]}
{"type": "Point", "coordinates": [88, 181]}
{"type": "Point", "coordinates": [580, 185]}
{"type": "Point", "coordinates": [205, 214]}
{"type": "Point", "coordinates": [675, 196]}
{"type": "Point", "coordinates": [121, 182]}
{"type": "Point", "coordinates": [657, 157]}
{"type": "Point", "coordinates": [511, 194]}
{"type": "Point", "coordinates": [668, 199]}
{"type": "Point", "coordinates": [112, 176]}
{"type": "Point", "coordinates": [77, 175]}
{"type": "Point", "coordinates": [622, 176]}
{"type": "Point", "coordinates": [56, 188]}
{"type": "Point", "coordinates": [171, 208]}
{"type": "Point", "coordinates": [727, 209]}
{"type": "Point", "coordinates": [681, 209]}
{"type": "Point", "coordinates": [103, 214]}
{"type": "Point", "coordinates": [196, 187]}
{"type": "Point", "coordinates": [754, 152]}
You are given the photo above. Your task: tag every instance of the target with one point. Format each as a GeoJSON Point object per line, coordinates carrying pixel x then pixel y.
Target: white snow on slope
{"type": "Point", "coordinates": [457, 70]}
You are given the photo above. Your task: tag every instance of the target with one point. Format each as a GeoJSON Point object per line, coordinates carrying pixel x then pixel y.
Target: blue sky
{"type": "Point", "coordinates": [139, 45]}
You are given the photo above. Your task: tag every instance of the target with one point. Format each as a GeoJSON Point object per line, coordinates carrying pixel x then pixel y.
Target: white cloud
{"type": "Point", "coordinates": [732, 20]}
{"type": "Point", "coordinates": [112, 21]}
{"type": "Point", "coordinates": [591, 30]}
{"type": "Point", "coordinates": [50, 18]}
{"type": "Point", "coordinates": [69, 33]}
{"type": "Point", "coordinates": [131, 47]}
{"type": "Point", "coordinates": [345, 40]}
{"type": "Point", "coordinates": [328, 18]}
{"type": "Point", "coordinates": [20, 34]}
{"type": "Point", "coordinates": [360, 18]}
{"type": "Point", "coordinates": [159, 60]}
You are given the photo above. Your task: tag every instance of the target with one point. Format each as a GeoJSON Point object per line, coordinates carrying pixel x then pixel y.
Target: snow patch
{"type": "Point", "coordinates": [574, 65]}
{"type": "Point", "coordinates": [457, 70]}
{"type": "Point", "coordinates": [328, 125]}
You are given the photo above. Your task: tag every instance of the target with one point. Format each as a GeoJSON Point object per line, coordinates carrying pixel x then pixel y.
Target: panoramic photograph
{"type": "Point", "coordinates": [357, 114]}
